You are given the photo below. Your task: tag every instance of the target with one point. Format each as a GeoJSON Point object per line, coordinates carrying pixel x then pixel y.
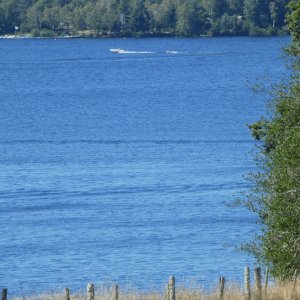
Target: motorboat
{"type": "Point", "coordinates": [119, 50]}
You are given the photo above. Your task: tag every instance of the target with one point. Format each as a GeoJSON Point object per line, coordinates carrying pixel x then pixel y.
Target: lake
{"type": "Point", "coordinates": [114, 167]}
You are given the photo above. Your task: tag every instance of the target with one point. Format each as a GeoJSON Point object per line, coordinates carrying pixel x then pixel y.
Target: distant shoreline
{"type": "Point", "coordinates": [12, 37]}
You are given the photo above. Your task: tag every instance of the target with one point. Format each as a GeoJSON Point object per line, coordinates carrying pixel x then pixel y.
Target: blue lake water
{"type": "Point", "coordinates": [117, 165]}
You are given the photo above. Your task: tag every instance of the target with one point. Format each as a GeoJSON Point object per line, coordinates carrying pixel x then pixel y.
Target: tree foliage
{"type": "Point", "coordinates": [275, 189]}
{"type": "Point", "coordinates": [175, 17]}
{"type": "Point", "coordinates": [139, 19]}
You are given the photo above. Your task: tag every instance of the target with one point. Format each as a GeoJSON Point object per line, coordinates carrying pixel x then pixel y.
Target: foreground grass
{"type": "Point", "coordinates": [233, 291]}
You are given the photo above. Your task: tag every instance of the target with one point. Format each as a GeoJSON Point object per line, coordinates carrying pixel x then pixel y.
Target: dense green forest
{"type": "Point", "coordinates": [144, 17]}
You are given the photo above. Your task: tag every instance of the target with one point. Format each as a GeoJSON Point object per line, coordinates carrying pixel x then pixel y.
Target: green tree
{"type": "Point", "coordinates": [2, 20]}
{"type": "Point", "coordinates": [139, 18]}
{"type": "Point", "coordinates": [275, 189]}
{"type": "Point", "coordinates": [34, 17]}
{"type": "Point", "coordinates": [225, 24]}
{"type": "Point", "coordinates": [51, 17]}
{"type": "Point", "coordinates": [235, 6]}
{"type": "Point", "coordinates": [123, 11]}
{"type": "Point", "coordinates": [163, 16]}
{"type": "Point", "coordinates": [79, 18]}
{"type": "Point", "coordinates": [215, 8]}
{"type": "Point", "coordinates": [10, 14]}
{"type": "Point", "coordinates": [154, 24]}
{"type": "Point", "coordinates": [64, 16]}
{"type": "Point", "coordinates": [191, 19]}
{"type": "Point", "coordinates": [21, 10]}
{"type": "Point", "coordinates": [43, 4]}
{"type": "Point", "coordinates": [109, 19]}
{"type": "Point", "coordinates": [253, 11]}
{"type": "Point", "coordinates": [170, 17]}
{"type": "Point", "coordinates": [93, 18]}
{"type": "Point", "coordinates": [216, 28]}
{"type": "Point", "coordinates": [62, 3]}
{"type": "Point", "coordinates": [281, 12]}
{"type": "Point", "coordinates": [123, 7]}
{"type": "Point", "coordinates": [236, 25]}
{"type": "Point", "coordinates": [273, 11]}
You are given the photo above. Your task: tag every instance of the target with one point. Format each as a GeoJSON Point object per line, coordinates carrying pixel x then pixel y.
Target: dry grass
{"type": "Point", "coordinates": [233, 291]}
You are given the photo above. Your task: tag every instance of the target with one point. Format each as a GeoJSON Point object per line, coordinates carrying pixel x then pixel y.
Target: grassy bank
{"type": "Point", "coordinates": [233, 291]}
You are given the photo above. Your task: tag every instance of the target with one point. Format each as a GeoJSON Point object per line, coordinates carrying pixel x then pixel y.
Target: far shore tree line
{"type": "Point", "coordinates": [119, 18]}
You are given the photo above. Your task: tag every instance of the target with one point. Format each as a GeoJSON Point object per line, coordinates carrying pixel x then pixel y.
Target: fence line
{"type": "Point", "coordinates": [258, 291]}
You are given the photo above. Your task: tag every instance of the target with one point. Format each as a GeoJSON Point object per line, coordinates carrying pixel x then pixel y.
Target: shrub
{"type": "Point", "coordinates": [46, 33]}
{"type": "Point", "coordinates": [139, 34]}
{"type": "Point", "coordinates": [271, 31]}
{"type": "Point", "coordinates": [34, 33]}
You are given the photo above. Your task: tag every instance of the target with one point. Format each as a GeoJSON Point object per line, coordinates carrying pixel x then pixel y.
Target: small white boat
{"type": "Point", "coordinates": [124, 51]}
{"type": "Point", "coordinates": [117, 50]}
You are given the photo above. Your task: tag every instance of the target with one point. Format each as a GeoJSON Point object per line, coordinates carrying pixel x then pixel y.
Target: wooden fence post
{"type": "Point", "coordinates": [294, 282]}
{"type": "Point", "coordinates": [257, 279]}
{"type": "Point", "coordinates": [116, 292]}
{"type": "Point", "coordinates": [67, 294]}
{"type": "Point", "coordinates": [4, 294]}
{"type": "Point", "coordinates": [168, 293]}
{"type": "Point", "coordinates": [171, 288]}
{"type": "Point", "coordinates": [266, 279]}
{"type": "Point", "coordinates": [90, 291]}
{"type": "Point", "coordinates": [265, 289]}
{"type": "Point", "coordinates": [221, 287]}
{"type": "Point", "coordinates": [247, 283]}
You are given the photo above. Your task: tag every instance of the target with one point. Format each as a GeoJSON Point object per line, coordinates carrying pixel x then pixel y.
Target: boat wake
{"type": "Point", "coordinates": [202, 52]}
{"type": "Point", "coordinates": [120, 51]}
{"type": "Point", "coordinates": [135, 52]}
{"type": "Point", "coordinates": [124, 51]}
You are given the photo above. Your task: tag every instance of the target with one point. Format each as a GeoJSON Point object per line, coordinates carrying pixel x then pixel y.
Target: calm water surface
{"type": "Point", "coordinates": [117, 165]}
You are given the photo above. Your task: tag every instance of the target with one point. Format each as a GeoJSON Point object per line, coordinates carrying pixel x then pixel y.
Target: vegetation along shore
{"type": "Point", "coordinates": [139, 18]}
{"type": "Point", "coordinates": [189, 290]}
